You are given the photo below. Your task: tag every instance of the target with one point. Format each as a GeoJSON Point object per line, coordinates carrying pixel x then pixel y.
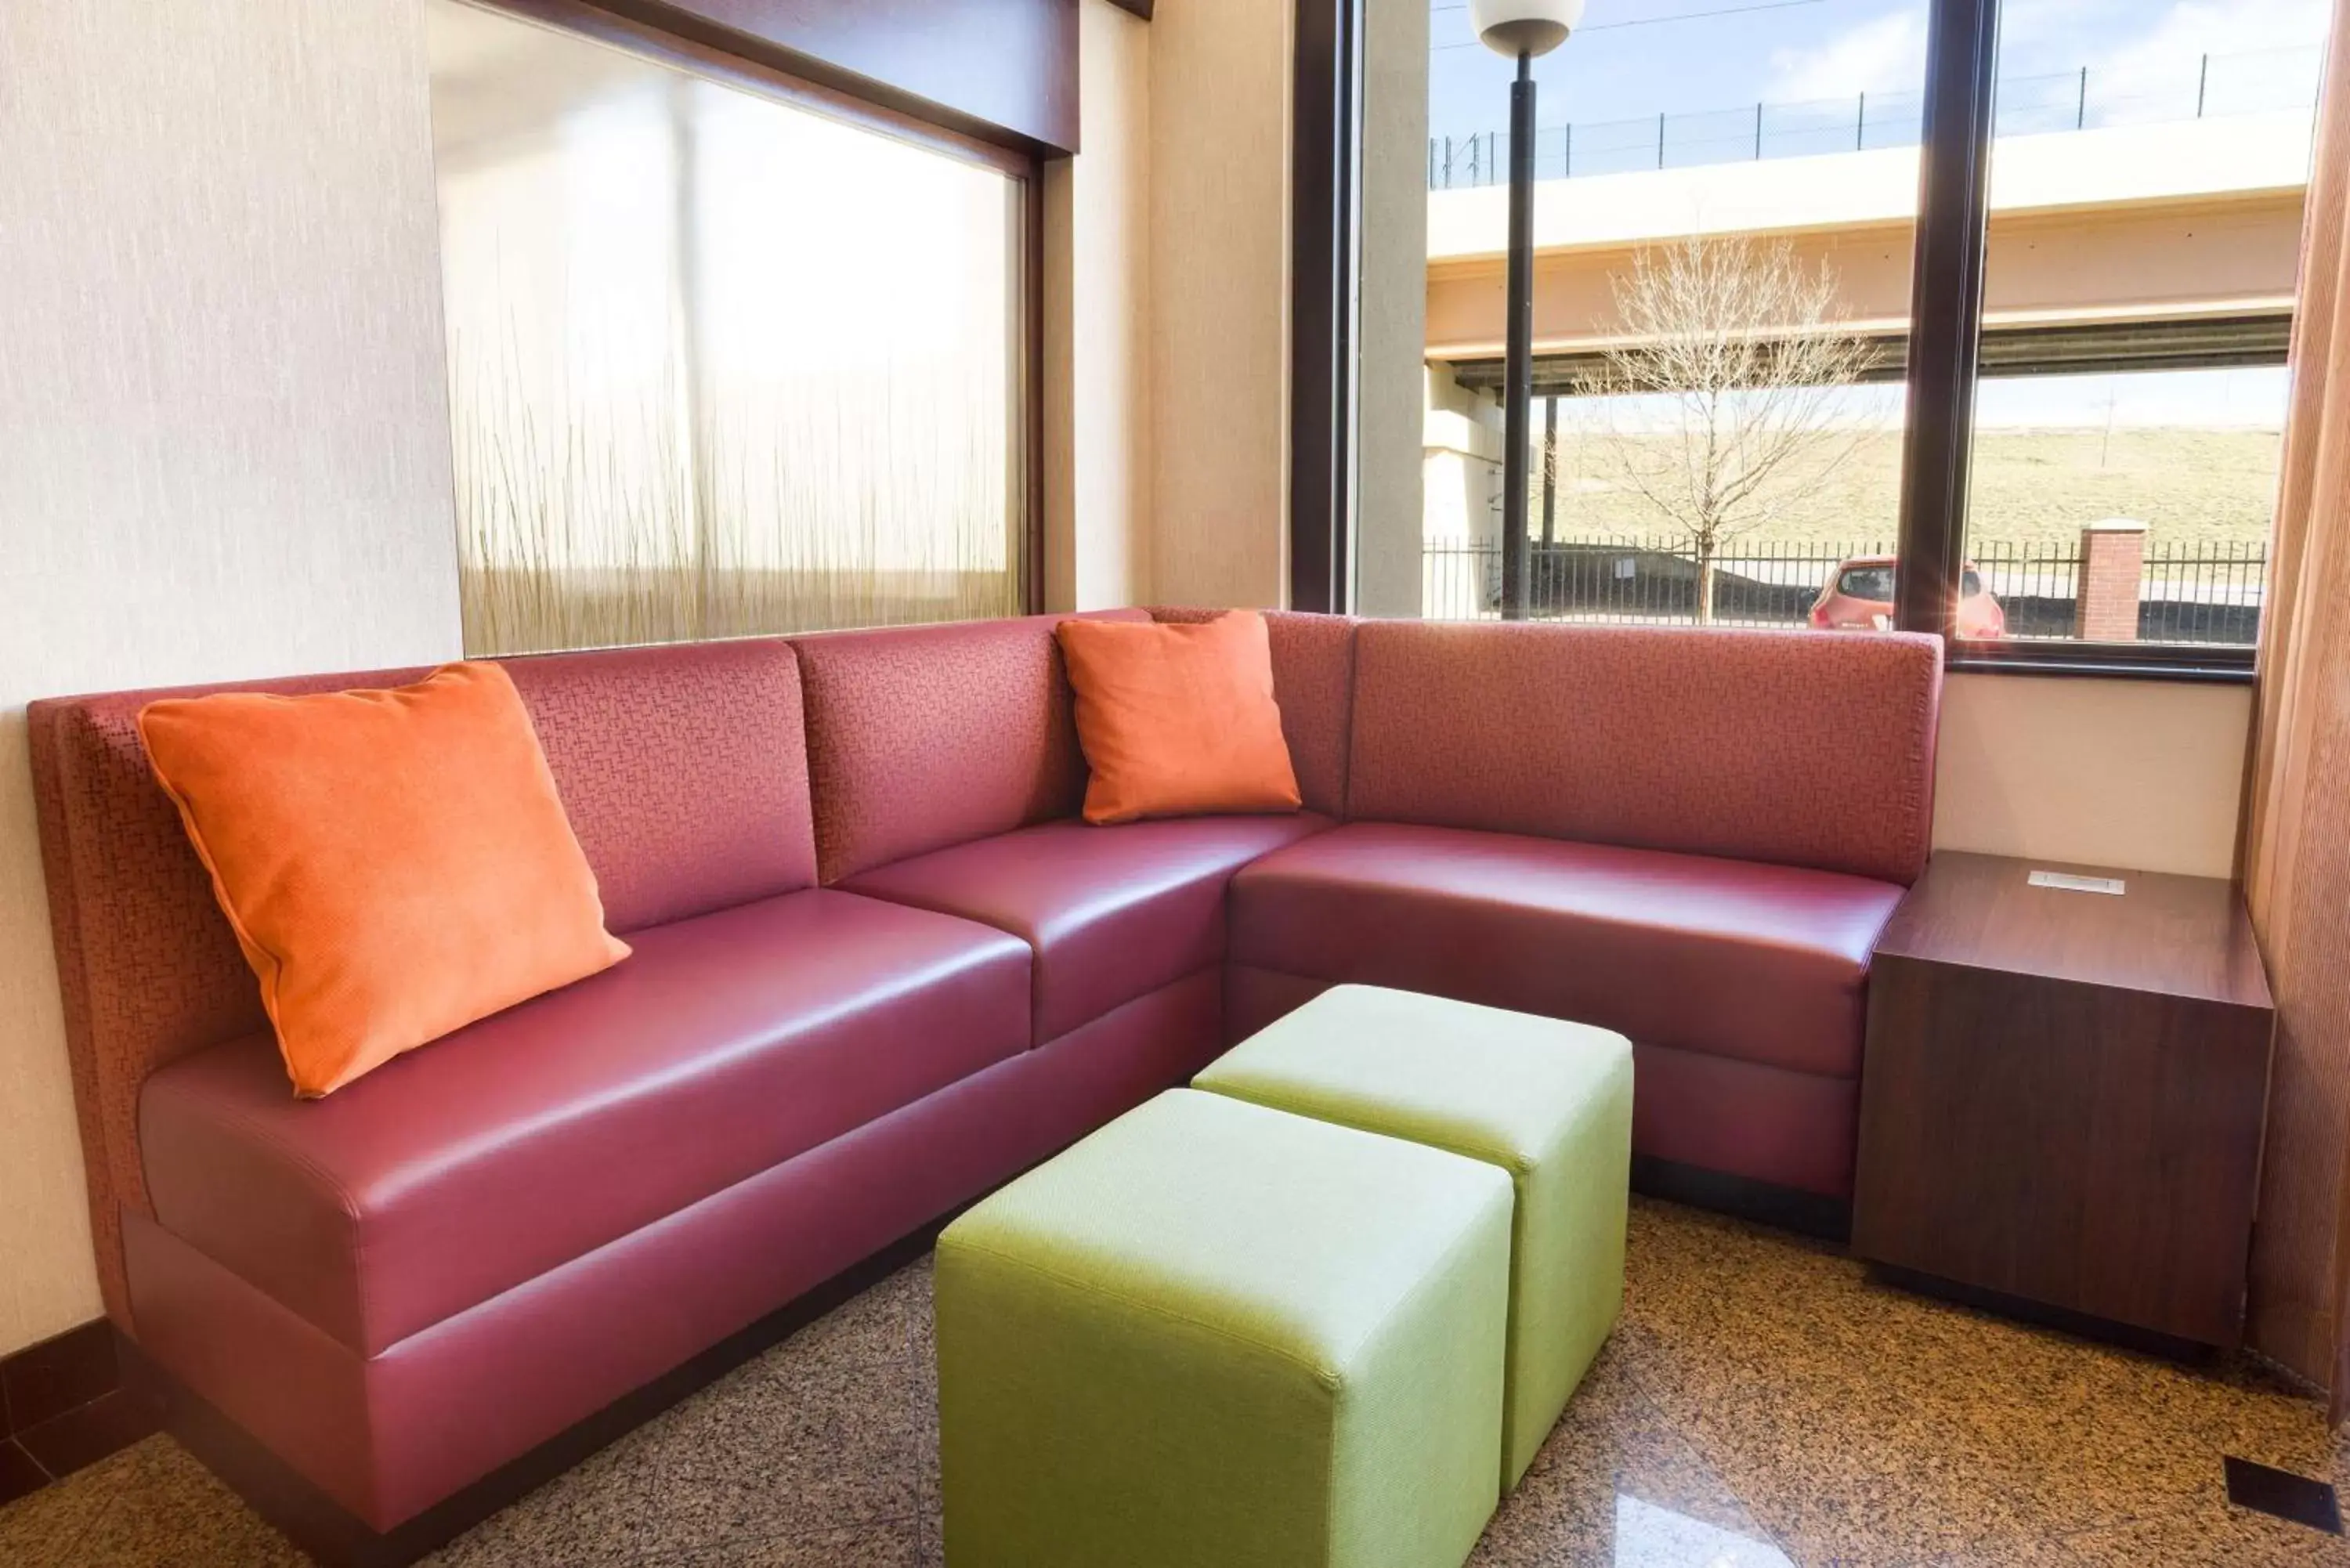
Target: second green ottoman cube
{"type": "Point", "coordinates": [1549, 1102]}
{"type": "Point", "coordinates": [1216, 1334]}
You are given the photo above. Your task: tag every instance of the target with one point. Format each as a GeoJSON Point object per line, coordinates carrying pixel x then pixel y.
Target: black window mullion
{"type": "Point", "coordinates": [1946, 311]}
{"type": "Point", "coordinates": [1324, 180]}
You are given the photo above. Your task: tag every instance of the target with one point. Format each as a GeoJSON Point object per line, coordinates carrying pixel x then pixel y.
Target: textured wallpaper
{"type": "Point", "coordinates": [223, 445]}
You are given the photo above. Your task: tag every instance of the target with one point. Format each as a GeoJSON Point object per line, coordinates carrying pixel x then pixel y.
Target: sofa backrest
{"type": "Point", "coordinates": [1800, 748]}
{"type": "Point", "coordinates": [1313, 682]}
{"type": "Point", "coordinates": [924, 737]}
{"type": "Point", "coordinates": [683, 770]}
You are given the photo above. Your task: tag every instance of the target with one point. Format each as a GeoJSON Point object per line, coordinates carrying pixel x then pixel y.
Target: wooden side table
{"type": "Point", "coordinates": [2063, 1094]}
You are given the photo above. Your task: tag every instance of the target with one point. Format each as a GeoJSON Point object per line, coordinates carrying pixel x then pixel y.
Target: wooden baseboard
{"type": "Point", "coordinates": [1788, 1207]}
{"type": "Point", "coordinates": [2129, 1336]}
{"type": "Point", "coordinates": [63, 1407]}
{"type": "Point", "coordinates": [44, 1381]}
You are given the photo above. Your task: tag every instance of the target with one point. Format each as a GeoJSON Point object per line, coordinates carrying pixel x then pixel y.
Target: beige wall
{"type": "Point", "coordinates": [1097, 434]}
{"type": "Point", "coordinates": [1219, 101]}
{"type": "Point", "coordinates": [224, 450]}
{"type": "Point", "coordinates": [2145, 774]}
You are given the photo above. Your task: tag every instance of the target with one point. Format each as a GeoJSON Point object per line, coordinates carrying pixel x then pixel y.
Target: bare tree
{"type": "Point", "coordinates": [1744, 349]}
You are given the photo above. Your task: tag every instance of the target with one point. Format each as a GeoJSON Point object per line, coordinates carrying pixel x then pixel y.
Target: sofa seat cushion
{"type": "Point", "coordinates": [1762, 963]}
{"type": "Point", "coordinates": [729, 1043]}
{"type": "Point", "coordinates": [1112, 912]}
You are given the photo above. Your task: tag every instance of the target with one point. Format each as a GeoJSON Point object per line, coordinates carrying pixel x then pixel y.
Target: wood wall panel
{"type": "Point", "coordinates": [2297, 844]}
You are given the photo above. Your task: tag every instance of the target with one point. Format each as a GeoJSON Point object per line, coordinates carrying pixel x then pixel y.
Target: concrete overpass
{"type": "Point", "coordinates": [2129, 248]}
{"type": "Point", "coordinates": [2135, 247]}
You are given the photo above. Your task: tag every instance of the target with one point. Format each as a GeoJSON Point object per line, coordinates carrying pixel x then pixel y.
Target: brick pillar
{"type": "Point", "coordinates": [2113, 560]}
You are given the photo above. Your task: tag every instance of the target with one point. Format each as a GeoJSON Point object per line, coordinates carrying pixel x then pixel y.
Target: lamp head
{"type": "Point", "coordinates": [1513, 28]}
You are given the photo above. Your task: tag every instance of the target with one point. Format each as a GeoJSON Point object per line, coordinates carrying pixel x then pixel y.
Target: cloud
{"type": "Point", "coordinates": [2250, 42]}
{"type": "Point", "coordinates": [2136, 48]}
{"type": "Point", "coordinates": [1884, 52]}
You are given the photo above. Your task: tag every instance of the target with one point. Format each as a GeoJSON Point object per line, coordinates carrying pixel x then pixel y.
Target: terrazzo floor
{"type": "Point", "coordinates": [1761, 1404]}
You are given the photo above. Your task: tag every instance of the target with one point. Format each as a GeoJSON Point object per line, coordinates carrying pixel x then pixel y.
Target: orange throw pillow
{"type": "Point", "coordinates": [396, 863]}
{"type": "Point", "coordinates": [1178, 719]}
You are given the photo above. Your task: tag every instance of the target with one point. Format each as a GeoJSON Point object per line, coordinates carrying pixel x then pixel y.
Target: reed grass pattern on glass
{"type": "Point", "coordinates": [702, 385]}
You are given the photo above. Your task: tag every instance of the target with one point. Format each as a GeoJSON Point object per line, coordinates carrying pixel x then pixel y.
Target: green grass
{"type": "Point", "coordinates": [2190, 486]}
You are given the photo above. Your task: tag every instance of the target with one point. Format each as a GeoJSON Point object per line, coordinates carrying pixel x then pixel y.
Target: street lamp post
{"type": "Point", "coordinates": [1521, 29]}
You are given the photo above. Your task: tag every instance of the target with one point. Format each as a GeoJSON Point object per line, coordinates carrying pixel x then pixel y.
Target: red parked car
{"type": "Point", "coordinates": [1859, 597]}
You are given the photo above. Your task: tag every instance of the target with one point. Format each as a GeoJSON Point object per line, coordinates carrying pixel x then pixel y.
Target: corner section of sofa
{"type": "Point", "coordinates": [1627, 826]}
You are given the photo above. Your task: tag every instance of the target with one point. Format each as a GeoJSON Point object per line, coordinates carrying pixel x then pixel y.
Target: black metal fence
{"type": "Point", "coordinates": [2203, 87]}
{"type": "Point", "coordinates": [2188, 593]}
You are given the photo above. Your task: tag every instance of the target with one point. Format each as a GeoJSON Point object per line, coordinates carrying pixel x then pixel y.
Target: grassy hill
{"type": "Point", "coordinates": [2029, 487]}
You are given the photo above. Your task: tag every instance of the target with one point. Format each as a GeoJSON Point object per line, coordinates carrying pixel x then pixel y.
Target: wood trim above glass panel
{"type": "Point", "coordinates": [769, 72]}
{"type": "Point", "coordinates": [667, 119]}
{"type": "Point", "coordinates": [1004, 71]}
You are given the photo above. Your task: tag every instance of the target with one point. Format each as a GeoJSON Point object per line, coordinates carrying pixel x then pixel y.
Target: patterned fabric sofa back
{"type": "Point", "coordinates": [683, 769]}
{"type": "Point", "coordinates": [1314, 681]}
{"type": "Point", "coordinates": [924, 737]}
{"type": "Point", "coordinates": [1797, 748]}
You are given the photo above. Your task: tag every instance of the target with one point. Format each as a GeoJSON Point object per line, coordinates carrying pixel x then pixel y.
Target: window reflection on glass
{"type": "Point", "coordinates": [2148, 173]}
{"type": "Point", "coordinates": [1725, 207]}
{"type": "Point", "coordinates": [718, 365]}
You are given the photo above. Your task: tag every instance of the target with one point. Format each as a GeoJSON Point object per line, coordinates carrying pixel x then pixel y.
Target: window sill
{"type": "Point", "coordinates": [2103, 661]}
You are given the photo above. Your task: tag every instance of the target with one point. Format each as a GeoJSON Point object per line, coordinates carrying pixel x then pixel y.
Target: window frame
{"type": "Point", "coordinates": [1326, 289]}
{"type": "Point", "coordinates": [1944, 352]}
{"type": "Point", "coordinates": [1946, 337]}
{"type": "Point", "coordinates": [721, 62]}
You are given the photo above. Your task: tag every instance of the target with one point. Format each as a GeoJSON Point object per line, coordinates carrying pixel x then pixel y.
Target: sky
{"type": "Point", "coordinates": [1637, 58]}
{"type": "Point", "coordinates": [1634, 59]}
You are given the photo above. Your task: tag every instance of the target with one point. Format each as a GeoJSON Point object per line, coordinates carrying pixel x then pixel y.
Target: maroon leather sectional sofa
{"type": "Point", "coordinates": [881, 966]}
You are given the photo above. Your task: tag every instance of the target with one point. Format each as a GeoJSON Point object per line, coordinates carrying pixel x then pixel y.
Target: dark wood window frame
{"type": "Point", "coordinates": [1326, 206]}
{"type": "Point", "coordinates": [722, 58]}
{"type": "Point", "coordinates": [1946, 333]}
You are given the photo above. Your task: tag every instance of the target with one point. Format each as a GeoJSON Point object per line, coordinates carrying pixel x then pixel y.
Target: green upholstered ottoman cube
{"type": "Point", "coordinates": [1549, 1103]}
{"type": "Point", "coordinates": [1213, 1334]}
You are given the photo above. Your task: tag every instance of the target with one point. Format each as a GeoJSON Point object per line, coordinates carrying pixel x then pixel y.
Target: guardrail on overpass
{"type": "Point", "coordinates": [2252, 82]}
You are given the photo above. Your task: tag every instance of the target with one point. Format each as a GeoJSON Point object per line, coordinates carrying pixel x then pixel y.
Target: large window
{"type": "Point", "coordinates": [2142, 237]}
{"type": "Point", "coordinates": [1725, 207]}
{"type": "Point", "coordinates": [720, 363]}
{"type": "Point", "coordinates": [1859, 315]}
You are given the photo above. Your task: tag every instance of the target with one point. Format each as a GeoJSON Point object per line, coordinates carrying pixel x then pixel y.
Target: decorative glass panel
{"type": "Point", "coordinates": [719, 364]}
